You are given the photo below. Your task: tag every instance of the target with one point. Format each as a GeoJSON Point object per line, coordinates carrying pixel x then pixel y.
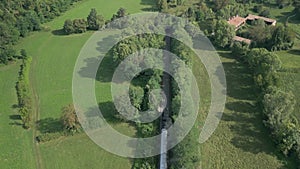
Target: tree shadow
{"type": "Point", "coordinates": [59, 32]}
{"type": "Point", "coordinates": [109, 112]}
{"type": "Point", "coordinates": [294, 52]}
{"type": "Point", "coordinates": [239, 81]}
{"type": "Point", "coordinates": [152, 4]}
{"type": "Point", "coordinates": [49, 125]}
{"type": "Point", "coordinates": [107, 66]}
{"type": "Point", "coordinates": [15, 106]}
{"type": "Point", "coordinates": [17, 120]}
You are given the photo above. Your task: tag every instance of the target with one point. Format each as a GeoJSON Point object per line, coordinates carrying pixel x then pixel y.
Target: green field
{"type": "Point", "coordinates": [16, 144]}
{"type": "Point", "coordinates": [54, 57]}
{"type": "Point", "coordinates": [240, 142]}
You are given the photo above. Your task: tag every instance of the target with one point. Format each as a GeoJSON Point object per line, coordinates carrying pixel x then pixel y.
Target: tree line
{"type": "Point", "coordinates": [23, 91]}
{"type": "Point", "coordinates": [277, 105]}
{"type": "Point", "coordinates": [94, 21]}
{"type": "Point", "coordinates": [186, 154]}
{"type": "Point", "coordinates": [19, 18]}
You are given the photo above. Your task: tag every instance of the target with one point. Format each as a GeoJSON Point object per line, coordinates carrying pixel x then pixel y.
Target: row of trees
{"type": "Point", "coordinates": [18, 18]}
{"type": "Point", "coordinates": [23, 91]}
{"type": "Point", "coordinates": [142, 85]}
{"type": "Point", "coordinates": [186, 154]}
{"type": "Point", "coordinates": [277, 105]}
{"type": "Point", "coordinates": [93, 22]}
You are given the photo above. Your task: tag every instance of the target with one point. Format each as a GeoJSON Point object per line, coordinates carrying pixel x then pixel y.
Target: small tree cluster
{"type": "Point", "coordinates": [93, 22]}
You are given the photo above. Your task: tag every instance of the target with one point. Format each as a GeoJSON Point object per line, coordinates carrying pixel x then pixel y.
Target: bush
{"type": "Point", "coordinates": [23, 93]}
{"type": "Point", "coordinates": [48, 136]}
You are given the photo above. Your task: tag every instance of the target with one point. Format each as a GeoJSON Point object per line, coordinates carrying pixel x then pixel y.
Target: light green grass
{"type": "Point", "coordinates": [16, 145]}
{"type": "Point", "coordinates": [54, 57]}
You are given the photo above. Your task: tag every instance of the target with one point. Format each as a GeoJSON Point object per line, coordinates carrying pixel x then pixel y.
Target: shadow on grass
{"type": "Point", "coordinates": [107, 66]}
{"type": "Point", "coordinates": [239, 81]}
{"type": "Point", "coordinates": [152, 4]}
{"type": "Point", "coordinates": [244, 115]}
{"type": "Point", "coordinates": [109, 112]}
{"type": "Point", "coordinates": [294, 52]}
{"type": "Point", "coordinates": [49, 125]}
{"type": "Point", "coordinates": [59, 32]}
{"type": "Point", "coordinates": [16, 120]}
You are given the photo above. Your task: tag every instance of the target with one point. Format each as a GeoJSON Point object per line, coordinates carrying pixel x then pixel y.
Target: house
{"type": "Point", "coordinates": [241, 39]}
{"type": "Point", "coordinates": [237, 21]}
{"type": "Point", "coordinates": [267, 20]}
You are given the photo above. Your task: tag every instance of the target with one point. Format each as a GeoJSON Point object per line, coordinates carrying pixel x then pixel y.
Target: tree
{"type": "Point", "coordinates": [23, 54]}
{"type": "Point", "coordinates": [79, 25]}
{"type": "Point", "coordinates": [219, 4]}
{"type": "Point", "coordinates": [283, 38]}
{"type": "Point", "coordinates": [164, 6]}
{"type": "Point", "coordinates": [69, 118]}
{"type": "Point", "coordinates": [94, 21]}
{"type": "Point", "coordinates": [69, 27]}
{"type": "Point", "coordinates": [121, 12]}
{"type": "Point", "coordinates": [136, 94]}
{"type": "Point", "coordinates": [265, 65]}
{"type": "Point", "coordinates": [224, 33]}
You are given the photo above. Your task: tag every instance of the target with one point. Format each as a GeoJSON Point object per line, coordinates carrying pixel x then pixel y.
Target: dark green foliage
{"type": "Point", "coordinates": [68, 27]}
{"type": "Point", "coordinates": [219, 4]}
{"type": "Point", "coordinates": [79, 25]}
{"type": "Point", "coordinates": [23, 93]}
{"type": "Point", "coordinates": [265, 13]}
{"type": "Point", "coordinates": [48, 136]}
{"type": "Point", "coordinates": [23, 54]}
{"type": "Point", "coordinates": [224, 33]}
{"type": "Point", "coordinates": [19, 18]}
{"type": "Point", "coordinates": [282, 39]}
{"type": "Point", "coordinates": [265, 66]}
{"type": "Point", "coordinates": [136, 94]}
{"type": "Point", "coordinates": [94, 21]}
{"type": "Point", "coordinates": [277, 105]}
{"type": "Point", "coordinates": [120, 13]}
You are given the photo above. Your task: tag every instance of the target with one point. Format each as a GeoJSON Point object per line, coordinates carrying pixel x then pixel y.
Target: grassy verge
{"type": "Point", "coordinates": [16, 145]}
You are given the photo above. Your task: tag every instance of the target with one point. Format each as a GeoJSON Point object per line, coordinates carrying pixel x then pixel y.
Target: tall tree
{"type": "Point", "coordinates": [79, 25]}
{"type": "Point", "coordinates": [68, 27]}
{"type": "Point", "coordinates": [69, 118]}
{"type": "Point", "coordinates": [94, 21]}
{"type": "Point", "coordinates": [224, 33]}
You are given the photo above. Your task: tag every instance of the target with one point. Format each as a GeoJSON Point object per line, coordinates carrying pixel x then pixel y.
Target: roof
{"type": "Point", "coordinates": [241, 39]}
{"type": "Point", "coordinates": [236, 21]}
{"type": "Point", "coordinates": [254, 17]}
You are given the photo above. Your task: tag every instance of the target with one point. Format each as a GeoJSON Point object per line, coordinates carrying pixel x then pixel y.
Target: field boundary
{"type": "Point", "coordinates": [36, 114]}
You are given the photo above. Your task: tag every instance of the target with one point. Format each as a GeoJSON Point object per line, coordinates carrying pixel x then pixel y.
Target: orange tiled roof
{"type": "Point", "coordinates": [253, 17]}
{"type": "Point", "coordinates": [240, 39]}
{"type": "Point", "coordinates": [236, 21]}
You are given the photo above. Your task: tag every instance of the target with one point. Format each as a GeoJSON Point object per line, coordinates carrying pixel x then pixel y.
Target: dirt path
{"type": "Point", "coordinates": [36, 114]}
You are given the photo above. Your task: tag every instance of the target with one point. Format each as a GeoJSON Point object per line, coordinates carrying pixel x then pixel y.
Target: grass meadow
{"type": "Point", "coordinates": [54, 56]}
{"type": "Point", "coordinates": [16, 145]}
{"type": "Point", "coordinates": [240, 141]}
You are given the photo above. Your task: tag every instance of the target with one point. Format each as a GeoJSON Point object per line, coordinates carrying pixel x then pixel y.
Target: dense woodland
{"type": "Point", "coordinates": [19, 18]}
